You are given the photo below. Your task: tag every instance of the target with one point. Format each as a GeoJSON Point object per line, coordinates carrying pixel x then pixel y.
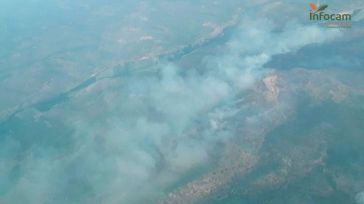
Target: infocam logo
{"type": "Point", "coordinates": [318, 13]}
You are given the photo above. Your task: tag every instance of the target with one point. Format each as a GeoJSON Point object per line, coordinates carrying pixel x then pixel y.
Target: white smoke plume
{"type": "Point", "coordinates": [135, 136]}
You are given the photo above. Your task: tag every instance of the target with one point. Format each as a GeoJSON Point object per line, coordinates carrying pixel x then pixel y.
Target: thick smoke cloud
{"type": "Point", "coordinates": [135, 136]}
